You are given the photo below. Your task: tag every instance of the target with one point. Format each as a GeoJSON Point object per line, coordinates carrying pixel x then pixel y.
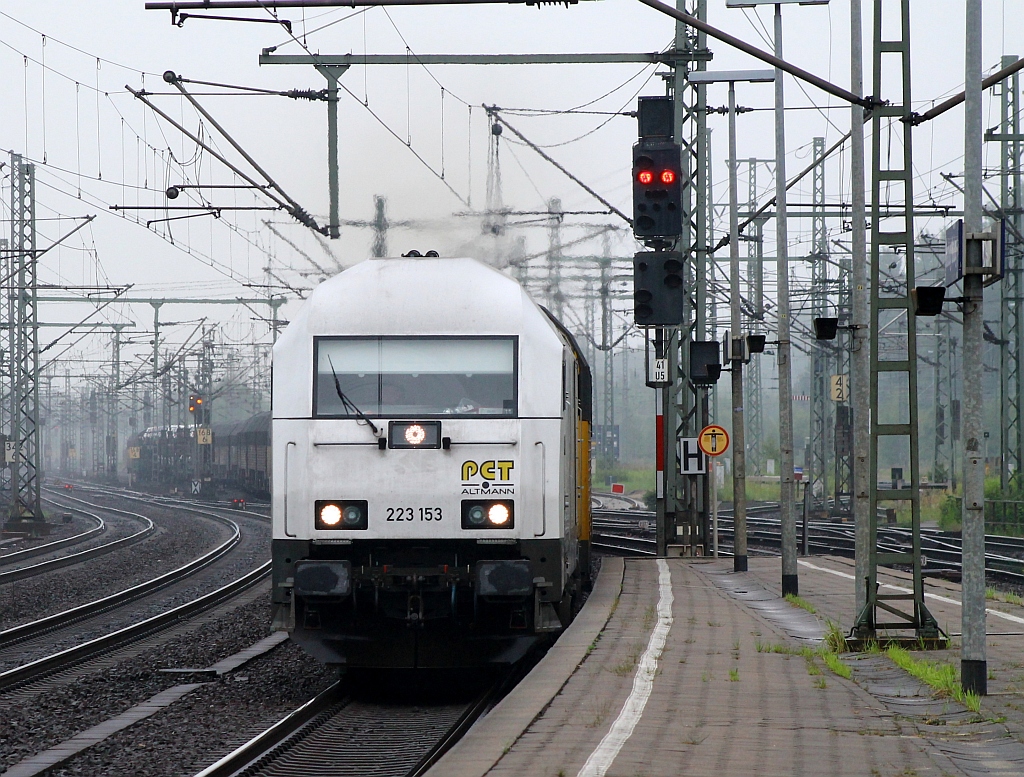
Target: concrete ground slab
{"type": "Point", "coordinates": [735, 691]}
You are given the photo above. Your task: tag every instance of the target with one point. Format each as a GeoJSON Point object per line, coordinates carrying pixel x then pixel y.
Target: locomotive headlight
{"type": "Point", "coordinates": [352, 515]}
{"type": "Point", "coordinates": [340, 514]}
{"type": "Point", "coordinates": [414, 434]}
{"type": "Point", "coordinates": [488, 514]}
{"type": "Point", "coordinates": [498, 514]}
{"type": "Point", "coordinates": [330, 514]}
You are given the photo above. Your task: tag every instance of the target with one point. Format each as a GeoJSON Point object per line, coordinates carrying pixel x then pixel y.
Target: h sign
{"type": "Point", "coordinates": [691, 458]}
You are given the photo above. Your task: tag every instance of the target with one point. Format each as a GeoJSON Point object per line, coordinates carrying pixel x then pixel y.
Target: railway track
{"type": "Point", "coordinates": [252, 508]}
{"type": "Point", "coordinates": [47, 638]}
{"type": "Point", "coordinates": [337, 735]}
{"type": "Point", "coordinates": [58, 562]}
{"type": "Point", "coordinates": [27, 554]}
{"type": "Point", "coordinates": [633, 531]}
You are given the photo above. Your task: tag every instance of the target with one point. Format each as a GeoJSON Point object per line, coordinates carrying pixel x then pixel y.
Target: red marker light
{"type": "Point", "coordinates": [668, 176]}
{"type": "Point", "coordinates": [645, 177]}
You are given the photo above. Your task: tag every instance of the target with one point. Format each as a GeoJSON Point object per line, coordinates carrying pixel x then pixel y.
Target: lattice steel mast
{"type": "Point", "coordinates": [893, 337]}
{"type": "Point", "coordinates": [1011, 201]}
{"type": "Point", "coordinates": [821, 350]}
{"type": "Point", "coordinates": [23, 441]}
{"type": "Point", "coordinates": [685, 405]}
{"type": "Point", "coordinates": [754, 239]}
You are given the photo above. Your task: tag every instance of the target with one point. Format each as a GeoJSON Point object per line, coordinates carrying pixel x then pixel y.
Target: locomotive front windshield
{"type": "Point", "coordinates": [415, 376]}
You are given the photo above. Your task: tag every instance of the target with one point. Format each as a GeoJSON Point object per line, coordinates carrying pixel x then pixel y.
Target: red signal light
{"type": "Point", "coordinates": [645, 177]}
{"type": "Point", "coordinates": [668, 176]}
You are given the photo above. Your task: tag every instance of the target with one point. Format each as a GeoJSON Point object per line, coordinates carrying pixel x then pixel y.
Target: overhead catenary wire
{"type": "Point", "coordinates": [493, 111]}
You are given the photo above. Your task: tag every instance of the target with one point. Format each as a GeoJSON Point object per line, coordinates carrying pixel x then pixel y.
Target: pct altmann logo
{"type": "Point", "coordinates": [487, 478]}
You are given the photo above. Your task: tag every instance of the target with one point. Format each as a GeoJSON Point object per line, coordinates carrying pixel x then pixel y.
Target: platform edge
{"type": "Point", "coordinates": [493, 736]}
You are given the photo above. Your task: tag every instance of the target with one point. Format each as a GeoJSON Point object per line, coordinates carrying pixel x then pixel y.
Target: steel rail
{"type": "Point", "coordinates": [40, 550]}
{"type": "Point", "coordinates": [108, 642]}
{"type": "Point", "coordinates": [141, 496]}
{"type": "Point", "coordinates": [266, 741]}
{"type": "Point", "coordinates": [83, 555]}
{"type": "Point", "coordinates": [942, 552]}
{"type": "Point", "coordinates": [264, 749]}
{"type": "Point", "coordinates": [75, 614]}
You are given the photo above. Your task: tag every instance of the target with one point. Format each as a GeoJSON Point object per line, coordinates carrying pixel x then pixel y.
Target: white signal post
{"type": "Point", "coordinates": [787, 488]}
{"type": "Point", "coordinates": [737, 343]}
{"type": "Point", "coordinates": [714, 441]}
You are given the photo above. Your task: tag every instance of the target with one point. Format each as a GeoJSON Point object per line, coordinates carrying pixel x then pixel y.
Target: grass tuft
{"type": "Point", "coordinates": [1006, 597]}
{"type": "Point", "coordinates": [803, 604]}
{"type": "Point", "coordinates": [734, 675]}
{"type": "Point", "coordinates": [836, 665]}
{"type": "Point", "coordinates": [835, 639]}
{"type": "Point", "coordinates": [942, 677]}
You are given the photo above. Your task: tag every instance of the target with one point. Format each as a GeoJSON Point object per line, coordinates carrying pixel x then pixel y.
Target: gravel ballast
{"type": "Point", "coordinates": [45, 720]}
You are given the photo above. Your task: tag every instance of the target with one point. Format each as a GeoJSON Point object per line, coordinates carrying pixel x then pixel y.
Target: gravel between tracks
{"type": "Point", "coordinates": [209, 720]}
{"type": "Point", "coordinates": [195, 731]}
{"type": "Point", "coordinates": [179, 538]}
{"type": "Point", "coordinates": [58, 530]}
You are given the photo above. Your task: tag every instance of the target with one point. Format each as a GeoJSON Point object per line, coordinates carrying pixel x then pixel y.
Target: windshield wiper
{"type": "Point", "coordinates": [348, 404]}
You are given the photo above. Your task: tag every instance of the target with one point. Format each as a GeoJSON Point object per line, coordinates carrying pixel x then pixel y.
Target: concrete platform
{"type": "Point", "coordinates": [681, 667]}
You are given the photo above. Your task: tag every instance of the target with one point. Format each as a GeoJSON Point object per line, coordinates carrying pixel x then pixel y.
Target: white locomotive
{"type": "Point", "coordinates": [431, 437]}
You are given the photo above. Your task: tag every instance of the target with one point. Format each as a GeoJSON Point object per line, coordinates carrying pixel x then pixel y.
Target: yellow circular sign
{"type": "Point", "coordinates": [713, 440]}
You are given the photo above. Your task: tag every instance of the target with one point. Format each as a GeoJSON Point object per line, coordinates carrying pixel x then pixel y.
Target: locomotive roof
{"type": "Point", "coordinates": [416, 295]}
{"type": "Point", "coordinates": [419, 296]}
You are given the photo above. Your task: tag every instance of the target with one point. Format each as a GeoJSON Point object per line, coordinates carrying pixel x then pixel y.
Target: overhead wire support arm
{"type": "Point", "coordinates": [764, 56]}
{"type": "Point", "coordinates": [296, 210]}
{"type": "Point", "coordinates": [295, 94]}
{"type": "Point", "coordinates": [493, 112]}
{"type": "Point", "coordinates": [38, 254]}
{"type": "Point", "coordinates": [178, 19]}
{"type": "Point", "coordinates": [283, 202]}
{"type": "Point", "coordinates": [915, 119]}
{"type": "Point", "coordinates": [724, 241]}
{"type": "Point", "coordinates": [142, 95]}
{"type": "Point", "coordinates": [215, 5]}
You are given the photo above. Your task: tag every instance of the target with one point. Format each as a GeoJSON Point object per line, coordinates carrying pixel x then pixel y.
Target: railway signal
{"type": "Point", "coordinates": [657, 191]}
{"type": "Point", "coordinates": [657, 173]}
{"type": "Point", "coordinates": [658, 288]}
{"type": "Point", "coordinates": [196, 408]}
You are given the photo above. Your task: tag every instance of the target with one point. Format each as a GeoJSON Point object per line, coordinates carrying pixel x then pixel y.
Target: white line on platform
{"type": "Point", "coordinates": [997, 613]}
{"type": "Point", "coordinates": [622, 729]}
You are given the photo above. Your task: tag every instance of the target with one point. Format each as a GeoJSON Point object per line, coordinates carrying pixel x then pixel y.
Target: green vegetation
{"type": "Point", "coordinates": [836, 665]}
{"type": "Point", "coordinates": [734, 675]}
{"type": "Point", "coordinates": [1008, 598]}
{"type": "Point", "coordinates": [940, 676]}
{"type": "Point", "coordinates": [949, 509]}
{"type": "Point", "coordinates": [634, 475]}
{"type": "Point", "coordinates": [828, 651]}
{"type": "Point", "coordinates": [803, 604]}
{"type": "Point", "coordinates": [820, 683]}
{"type": "Point", "coordinates": [949, 515]}
{"type": "Point", "coordinates": [756, 491]}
